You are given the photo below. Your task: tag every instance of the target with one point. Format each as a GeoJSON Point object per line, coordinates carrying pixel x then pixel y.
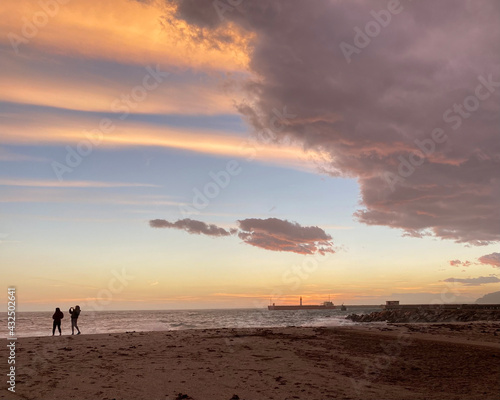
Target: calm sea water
{"type": "Point", "coordinates": [40, 323]}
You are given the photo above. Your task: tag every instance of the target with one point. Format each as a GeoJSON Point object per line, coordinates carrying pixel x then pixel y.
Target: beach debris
{"type": "Point", "coordinates": [281, 380]}
{"type": "Point", "coordinates": [181, 396]}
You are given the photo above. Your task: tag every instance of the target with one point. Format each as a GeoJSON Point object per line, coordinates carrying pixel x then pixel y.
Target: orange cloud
{"type": "Point", "coordinates": [125, 31]}
{"type": "Point", "coordinates": [69, 85]}
{"type": "Point", "coordinates": [44, 129]}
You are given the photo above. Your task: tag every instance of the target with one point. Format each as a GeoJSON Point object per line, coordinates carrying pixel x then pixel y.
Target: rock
{"type": "Point", "coordinates": [427, 315]}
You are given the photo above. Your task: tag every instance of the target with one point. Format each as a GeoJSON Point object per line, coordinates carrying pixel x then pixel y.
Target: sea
{"type": "Point", "coordinates": [30, 324]}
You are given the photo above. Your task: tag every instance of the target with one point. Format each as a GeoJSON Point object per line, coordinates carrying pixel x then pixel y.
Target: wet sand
{"type": "Point", "coordinates": [372, 361]}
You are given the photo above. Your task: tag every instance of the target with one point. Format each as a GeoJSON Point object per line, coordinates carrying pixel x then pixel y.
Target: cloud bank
{"type": "Point", "coordinates": [413, 116]}
{"type": "Point", "coordinates": [474, 281]}
{"type": "Point", "coordinates": [489, 298]}
{"type": "Point", "coordinates": [271, 234]}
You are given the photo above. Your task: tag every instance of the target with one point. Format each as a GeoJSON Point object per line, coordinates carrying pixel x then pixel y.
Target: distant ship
{"type": "Point", "coordinates": [327, 305]}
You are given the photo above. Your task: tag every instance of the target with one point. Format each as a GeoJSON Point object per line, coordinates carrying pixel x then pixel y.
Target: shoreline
{"type": "Point", "coordinates": [367, 361]}
{"type": "Point", "coordinates": [361, 324]}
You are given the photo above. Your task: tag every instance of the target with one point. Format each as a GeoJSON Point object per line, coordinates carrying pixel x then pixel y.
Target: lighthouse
{"type": "Point", "coordinates": [301, 301]}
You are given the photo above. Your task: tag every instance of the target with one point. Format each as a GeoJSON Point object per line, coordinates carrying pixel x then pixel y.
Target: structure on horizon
{"type": "Point", "coordinates": [326, 305]}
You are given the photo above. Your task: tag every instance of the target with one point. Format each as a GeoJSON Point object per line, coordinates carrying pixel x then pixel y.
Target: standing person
{"type": "Point", "coordinates": [57, 317]}
{"type": "Point", "coordinates": [75, 312]}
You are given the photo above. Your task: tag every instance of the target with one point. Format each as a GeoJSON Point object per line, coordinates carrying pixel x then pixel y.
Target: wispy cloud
{"type": "Point", "coordinates": [67, 86]}
{"type": "Point", "coordinates": [70, 184]}
{"type": "Point", "coordinates": [69, 130]}
{"type": "Point", "coordinates": [77, 196]}
{"type": "Point", "coordinates": [16, 157]}
{"type": "Point", "coordinates": [191, 226]}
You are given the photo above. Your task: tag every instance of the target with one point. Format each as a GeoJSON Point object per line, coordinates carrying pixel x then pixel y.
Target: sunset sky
{"type": "Point", "coordinates": [199, 154]}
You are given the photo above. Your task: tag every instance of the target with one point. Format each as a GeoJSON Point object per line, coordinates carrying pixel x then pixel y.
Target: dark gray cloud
{"type": "Point", "coordinates": [474, 281]}
{"type": "Point", "coordinates": [191, 226]}
{"type": "Point", "coordinates": [491, 259]}
{"type": "Point", "coordinates": [428, 62]}
{"type": "Point", "coordinates": [270, 234]}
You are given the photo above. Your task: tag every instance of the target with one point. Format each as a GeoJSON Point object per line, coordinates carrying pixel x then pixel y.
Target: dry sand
{"type": "Point", "coordinates": [373, 361]}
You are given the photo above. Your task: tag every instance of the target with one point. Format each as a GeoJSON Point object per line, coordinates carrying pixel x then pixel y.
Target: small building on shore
{"type": "Point", "coordinates": [392, 304]}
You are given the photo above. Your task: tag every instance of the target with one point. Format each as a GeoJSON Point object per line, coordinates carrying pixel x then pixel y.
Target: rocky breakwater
{"type": "Point", "coordinates": [427, 315]}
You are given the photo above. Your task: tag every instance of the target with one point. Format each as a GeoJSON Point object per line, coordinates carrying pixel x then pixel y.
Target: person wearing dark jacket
{"type": "Point", "coordinates": [75, 313]}
{"type": "Point", "coordinates": [57, 317]}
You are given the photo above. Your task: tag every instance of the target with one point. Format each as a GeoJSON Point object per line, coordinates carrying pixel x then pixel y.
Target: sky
{"type": "Point", "coordinates": [197, 154]}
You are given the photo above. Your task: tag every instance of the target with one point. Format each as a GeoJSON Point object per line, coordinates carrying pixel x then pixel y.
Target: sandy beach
{"type": "Point", "coordinates": [372, 361]}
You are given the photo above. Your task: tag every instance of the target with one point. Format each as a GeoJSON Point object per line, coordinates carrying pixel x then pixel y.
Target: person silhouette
{"type": "Point", "coordinates": [57, 317]}
{"type": "Point", "coordinates": [75, 313]}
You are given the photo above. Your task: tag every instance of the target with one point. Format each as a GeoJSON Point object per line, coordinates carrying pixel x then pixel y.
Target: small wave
{"type": "Point", "coordinates": [182, 325]}
{"type": "Point", "coordinates": [331, 321]}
